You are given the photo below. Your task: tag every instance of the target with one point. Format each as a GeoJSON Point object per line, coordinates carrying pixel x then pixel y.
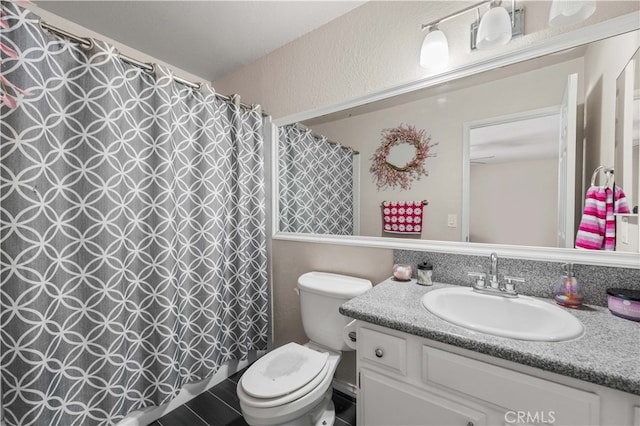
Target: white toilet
{"type": "Point", "coordinates": [291, 385]}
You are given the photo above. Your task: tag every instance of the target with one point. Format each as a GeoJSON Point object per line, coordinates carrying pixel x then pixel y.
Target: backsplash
{"type": "Point", "coordinates": [540, 277]}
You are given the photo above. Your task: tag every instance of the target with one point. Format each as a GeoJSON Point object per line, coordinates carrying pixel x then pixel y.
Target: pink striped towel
{"type": "Point", "coordinates": [597, 230]}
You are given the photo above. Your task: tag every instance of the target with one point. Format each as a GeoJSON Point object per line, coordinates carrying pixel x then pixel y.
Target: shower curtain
{"type": "Point", "coordinates": [133, 242]}
{"type": "Point", "coordinates": [315, 179]}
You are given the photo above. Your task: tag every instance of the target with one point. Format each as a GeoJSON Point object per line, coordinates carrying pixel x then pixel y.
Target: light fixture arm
{"type": "Point", "coordinates": [455, 14]}
{"type": "Point", "coordinates": [513, 13]}
{"type": "Point", "coordinates": [465, 10]}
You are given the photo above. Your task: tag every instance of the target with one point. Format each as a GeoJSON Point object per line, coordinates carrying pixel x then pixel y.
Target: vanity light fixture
{"type": "Point", "coordinates": [567, 12]}
{"type": "Point", "coordinates": [497, 27]}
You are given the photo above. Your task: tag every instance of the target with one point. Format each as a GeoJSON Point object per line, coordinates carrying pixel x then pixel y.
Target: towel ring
{"type": "Point", "coordinates": [608, 171]}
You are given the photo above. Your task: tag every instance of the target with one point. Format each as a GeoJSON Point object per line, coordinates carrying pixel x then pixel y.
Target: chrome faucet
{"type": "Point", "coordinates": [493, 286]}
{"type": "Point", "coordinates": [493, 272]}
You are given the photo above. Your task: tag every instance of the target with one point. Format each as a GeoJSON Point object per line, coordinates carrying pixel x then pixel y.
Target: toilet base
{"type": "Point", "coordinates": [322, 414]}
{"type": "Point", "coordinates": [314, 408]}
{"type": "Point", "coordinates": [328, 416]}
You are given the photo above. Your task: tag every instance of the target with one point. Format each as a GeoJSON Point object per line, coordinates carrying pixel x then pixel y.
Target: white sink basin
{"type": "Point", "coordinates": [522, 318]}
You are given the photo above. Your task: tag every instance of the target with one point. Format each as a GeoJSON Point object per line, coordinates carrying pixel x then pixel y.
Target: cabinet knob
{"type": "Point", "coordinates": [379, 353]}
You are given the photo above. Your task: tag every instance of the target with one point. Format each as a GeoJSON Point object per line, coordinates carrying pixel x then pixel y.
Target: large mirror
{"type": "Point", "coordinates": [627, 153]}
{"type": "Point", "coordinates": [514, 152]}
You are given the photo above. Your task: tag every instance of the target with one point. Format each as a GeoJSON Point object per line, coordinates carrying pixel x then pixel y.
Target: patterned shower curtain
{"type": "Point", "coordinates": [133, 242]}
{"type": "Point", "coordinates": [315, 184]}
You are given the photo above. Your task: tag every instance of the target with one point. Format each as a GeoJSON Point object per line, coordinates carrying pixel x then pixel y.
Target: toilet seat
{"type": "Point", "coordinates": [288, 373]}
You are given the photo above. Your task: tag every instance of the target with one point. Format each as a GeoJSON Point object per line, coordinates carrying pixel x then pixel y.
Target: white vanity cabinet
{"type": "Point", "coordinates": [408, 380]}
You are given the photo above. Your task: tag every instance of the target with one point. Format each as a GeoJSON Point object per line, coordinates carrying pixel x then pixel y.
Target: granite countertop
{"type": "Point", "coordinates": [607, 354]}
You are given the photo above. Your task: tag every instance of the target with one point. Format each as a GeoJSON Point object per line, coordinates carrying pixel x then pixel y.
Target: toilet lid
{"type": "Point", "coordinates": [283, 370]}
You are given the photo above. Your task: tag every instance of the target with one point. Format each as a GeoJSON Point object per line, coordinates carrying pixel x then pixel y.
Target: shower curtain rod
{"type": "Point", "coordinates": [301, 126]}
{"type": "Point", "coordinates": [149, 67]}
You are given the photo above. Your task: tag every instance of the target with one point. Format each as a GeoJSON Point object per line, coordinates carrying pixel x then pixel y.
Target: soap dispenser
{"type": "Point", "coordinates": [568, 293]}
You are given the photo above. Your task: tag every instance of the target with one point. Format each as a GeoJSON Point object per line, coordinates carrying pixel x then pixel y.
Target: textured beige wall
{"type": "Point", "coordinates": [294, 259]}
{"type": "Point", "coordinates": [371, 48]}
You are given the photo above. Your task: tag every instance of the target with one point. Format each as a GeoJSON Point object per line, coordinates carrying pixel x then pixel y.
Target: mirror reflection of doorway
{"type": "Point", "coordinates": [506, 205]}
{"type": "Point", "coordinates": [501, 201]}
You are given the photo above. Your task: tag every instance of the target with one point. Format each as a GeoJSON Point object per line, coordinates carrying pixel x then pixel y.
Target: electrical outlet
{"type": "Point", "coordinates": [452, 220]}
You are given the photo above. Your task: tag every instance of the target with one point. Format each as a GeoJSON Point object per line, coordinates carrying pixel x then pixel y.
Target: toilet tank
{"type": "Point", "coordinates": [321, 294]}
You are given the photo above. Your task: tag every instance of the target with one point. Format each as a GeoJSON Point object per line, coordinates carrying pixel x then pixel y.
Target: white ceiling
{"type": "Point", "coordinates": [526, 139]}
{"type": "Point", "coordinates": [206, 38]}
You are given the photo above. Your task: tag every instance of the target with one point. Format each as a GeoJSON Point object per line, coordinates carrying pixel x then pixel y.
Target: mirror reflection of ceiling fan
{"type": "Point", "coordinates": [477, 160]}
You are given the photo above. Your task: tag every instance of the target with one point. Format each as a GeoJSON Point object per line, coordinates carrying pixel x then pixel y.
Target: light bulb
{"type": "Point", "coordinates": [565, 12]}
{"type": "Point", "coordinates": [494, 28]}
{"type": "Point", "coordinates": [434, 53]}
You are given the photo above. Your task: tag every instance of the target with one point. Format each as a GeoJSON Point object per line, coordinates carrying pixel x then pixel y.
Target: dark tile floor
{"type": "Point", "coordinates": [220, 406]}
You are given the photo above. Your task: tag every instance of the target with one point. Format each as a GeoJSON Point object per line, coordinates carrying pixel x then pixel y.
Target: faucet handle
{"type": "Point", "coordinates": [510, 285]}
{"type": "Point", "coordinates": [480, 277]}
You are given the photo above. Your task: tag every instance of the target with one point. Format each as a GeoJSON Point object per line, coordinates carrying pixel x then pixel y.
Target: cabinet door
{"type": "Point", "coordinates": [385, 401]}
{"type": "Point", "coordinates": [531, 400]}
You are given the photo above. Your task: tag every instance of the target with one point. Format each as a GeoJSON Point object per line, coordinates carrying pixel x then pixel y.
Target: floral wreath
{"type": "Point", "coordinates": [387, 174]}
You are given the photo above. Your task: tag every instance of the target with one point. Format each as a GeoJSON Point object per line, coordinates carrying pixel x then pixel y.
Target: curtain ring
{"type": "Point", "coordinates": [90, 42]}
{"type": "Point", "coordinates": [86, 43]}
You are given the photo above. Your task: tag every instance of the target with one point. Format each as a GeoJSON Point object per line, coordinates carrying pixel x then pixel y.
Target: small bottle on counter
{"type": "Point", "coordinates": [425, 274]}
{"type": "Point", "coordinates": [568, 293]}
